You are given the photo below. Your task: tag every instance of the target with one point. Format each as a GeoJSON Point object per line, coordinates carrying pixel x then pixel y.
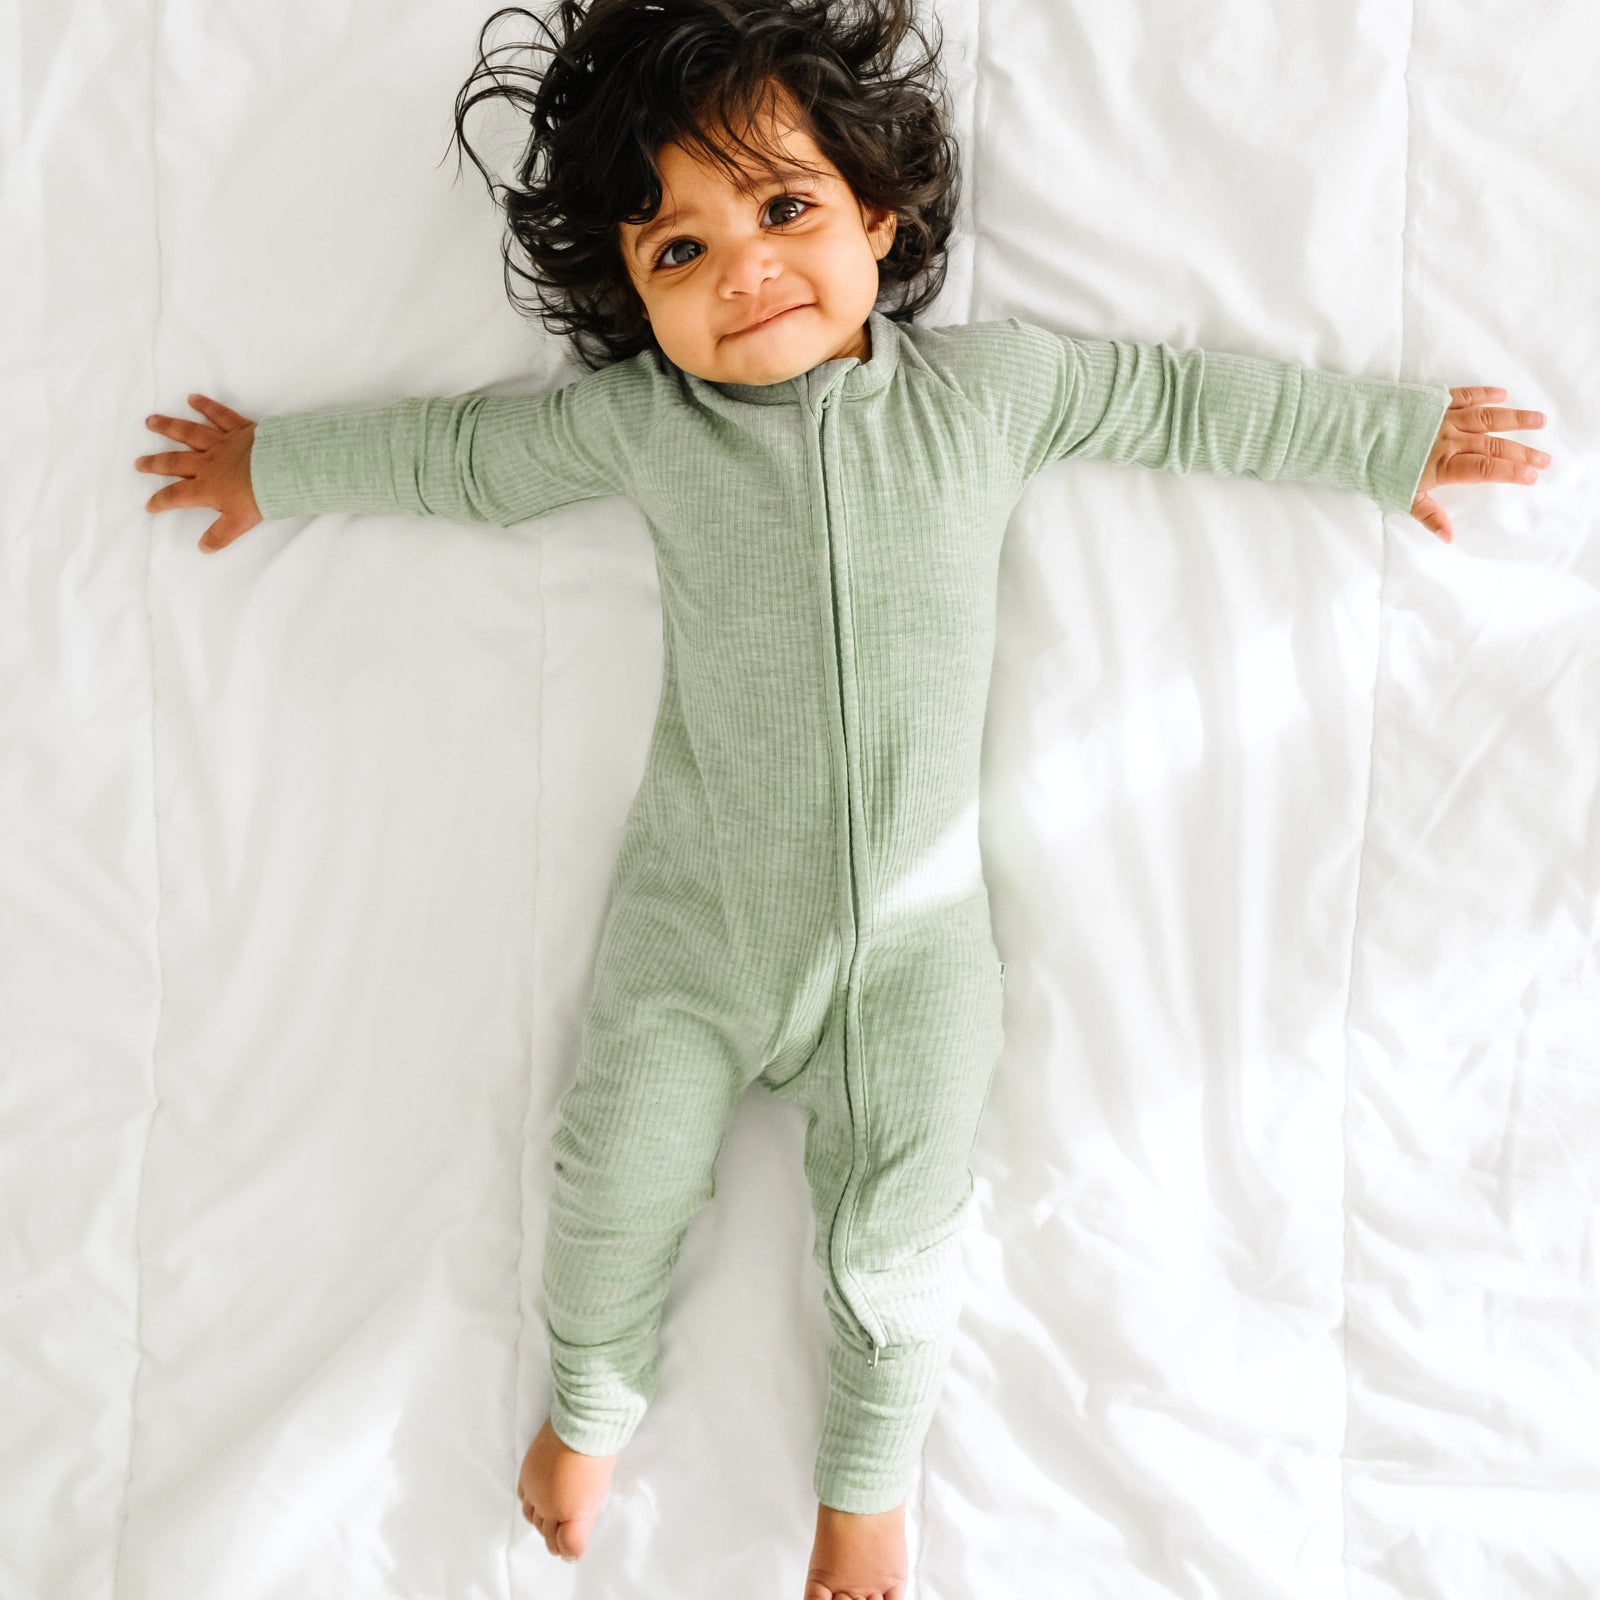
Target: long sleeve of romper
{"type": "Point", "coordinates": [471, 458]}
{"type": "Point", "coordinates": [1196, 410]}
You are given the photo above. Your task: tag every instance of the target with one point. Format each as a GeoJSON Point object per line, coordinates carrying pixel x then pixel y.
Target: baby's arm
{"type": "Point", "coordinates": [473, 458]}
{"type": "Point", "coordinates": [1054, 396]}
{"type": "Point", "coordinates": [1211, 411]}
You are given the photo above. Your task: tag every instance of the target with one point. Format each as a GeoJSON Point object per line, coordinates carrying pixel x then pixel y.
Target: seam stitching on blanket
{"type": "Point", "coordinates": [155, 847]}
{"type": "Point", "coordinates": [527, 1104]}
{"type": "Point", "coordinates": [1361, 857]}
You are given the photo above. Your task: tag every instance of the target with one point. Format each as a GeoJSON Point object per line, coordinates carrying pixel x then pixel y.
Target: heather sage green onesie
{"type": "Point", "coordinates": [799, 900]}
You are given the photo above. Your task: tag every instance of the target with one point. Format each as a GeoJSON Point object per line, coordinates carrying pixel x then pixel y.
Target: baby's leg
{"type": "Point", "coordinates": [897, 1096]}
{"type": "Point", "coordinates": [661, 1070]}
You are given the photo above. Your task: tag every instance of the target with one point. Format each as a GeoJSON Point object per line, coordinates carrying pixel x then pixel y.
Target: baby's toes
{"type": "Point", "coordinates": [570, 1539]}
{"type": "Point", "coordinates": [545, 1527]}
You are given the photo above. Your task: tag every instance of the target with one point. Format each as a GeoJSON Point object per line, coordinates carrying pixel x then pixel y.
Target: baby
{"type": "Point", "coordinates": [721, 198]}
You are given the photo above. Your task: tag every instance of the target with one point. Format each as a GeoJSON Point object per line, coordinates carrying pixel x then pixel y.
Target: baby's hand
{"type": "Point", "coordinates": [1465, 452]}
{"type": "Point", "coordinates": [213, 471]}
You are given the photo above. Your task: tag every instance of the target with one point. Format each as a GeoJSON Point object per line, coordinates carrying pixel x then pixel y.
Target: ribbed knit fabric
{"type": "Point", "coordinates": [799, 900]}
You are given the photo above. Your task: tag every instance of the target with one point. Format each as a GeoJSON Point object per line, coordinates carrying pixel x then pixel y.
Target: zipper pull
{"type": "Point", "coordinates": [1002, 977]}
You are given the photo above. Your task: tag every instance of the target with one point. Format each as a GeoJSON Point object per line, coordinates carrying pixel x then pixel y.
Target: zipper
{"type": "Point", "coordinates": [873, 1346]}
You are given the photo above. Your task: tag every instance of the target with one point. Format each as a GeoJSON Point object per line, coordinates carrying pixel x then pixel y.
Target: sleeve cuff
{"type": "Point", "coordinates": [266, 476]}
{"type": "Point", "coordinates": [1402, 453]}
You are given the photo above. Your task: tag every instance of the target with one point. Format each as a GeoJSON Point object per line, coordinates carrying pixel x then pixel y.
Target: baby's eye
{"type": "Point", "coordinates": [777, 200]}
{"type": "Point", "coordinates": [661, 260]}
{"type": "Point", "coordinates": [790, 199]}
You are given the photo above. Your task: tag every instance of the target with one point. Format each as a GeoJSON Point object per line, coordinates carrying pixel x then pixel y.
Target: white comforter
{"type": "Point", "coordinates": [1286, 1283]}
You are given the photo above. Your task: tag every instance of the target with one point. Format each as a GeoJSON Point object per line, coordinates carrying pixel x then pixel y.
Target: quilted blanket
{"type": "Point", "coordinates": [1285, 1273]}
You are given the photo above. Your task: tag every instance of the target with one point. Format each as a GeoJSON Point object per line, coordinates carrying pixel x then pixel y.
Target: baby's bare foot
{"type": "Point", "coordinates": [562, 1492]}
{"type": "Point", "coordinates": [858, 1557]}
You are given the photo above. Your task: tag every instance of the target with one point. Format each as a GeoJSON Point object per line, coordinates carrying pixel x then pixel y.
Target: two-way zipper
{"type": "Point", "coordinates": [857, 1136]}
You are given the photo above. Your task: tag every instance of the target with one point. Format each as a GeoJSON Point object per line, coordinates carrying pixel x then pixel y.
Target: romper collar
{"type": "Point", "coordinates": [850, 376]}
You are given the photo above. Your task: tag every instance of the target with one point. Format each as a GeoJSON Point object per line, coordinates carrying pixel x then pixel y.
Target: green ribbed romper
{"type": "Point", "coordinates": [798, 899]}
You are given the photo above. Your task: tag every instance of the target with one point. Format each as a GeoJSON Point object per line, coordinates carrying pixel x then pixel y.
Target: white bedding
{"type": "Point", "coordinates": [1286, 1281]}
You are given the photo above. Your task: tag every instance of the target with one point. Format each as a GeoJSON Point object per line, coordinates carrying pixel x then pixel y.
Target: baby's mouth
{"type": "Point", "coordinates": [766, 322]}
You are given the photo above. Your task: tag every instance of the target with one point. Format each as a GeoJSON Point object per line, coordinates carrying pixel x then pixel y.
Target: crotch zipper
{"type": "Point", "coordinates": [874, 1350]}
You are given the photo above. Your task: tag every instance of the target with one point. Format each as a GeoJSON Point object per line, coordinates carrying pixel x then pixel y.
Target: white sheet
{"type": "Point", "coordinates": [1286, 1279]}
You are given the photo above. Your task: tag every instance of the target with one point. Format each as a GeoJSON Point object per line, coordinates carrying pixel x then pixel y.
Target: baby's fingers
{"type": "Point", "coordinates": [1431, 515]}
{"type": "Point", "coordinates": [1488, 460]}
{"type": "Point", "coordinates": [197, 435]}
{"type": "Point", "coordinates": [1474, 394]}
{"type": "Point", "coordinates": [223, 416]}
{"type": "Point", "coordinates": [169, 464]}
{"type": "Point", "coordinates": [174, 497]}
{"type": "Point", "coordinates": [1497, 419]}
{"type": "Point", "coordinates": [220, 534]}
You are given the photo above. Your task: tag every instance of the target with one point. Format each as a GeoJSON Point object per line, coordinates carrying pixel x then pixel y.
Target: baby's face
{"type": "Point", "coordinates": [713, 261]}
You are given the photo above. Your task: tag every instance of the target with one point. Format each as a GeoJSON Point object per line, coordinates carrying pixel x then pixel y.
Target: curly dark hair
{"type": "Point", "coordinates": [630, 76]}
